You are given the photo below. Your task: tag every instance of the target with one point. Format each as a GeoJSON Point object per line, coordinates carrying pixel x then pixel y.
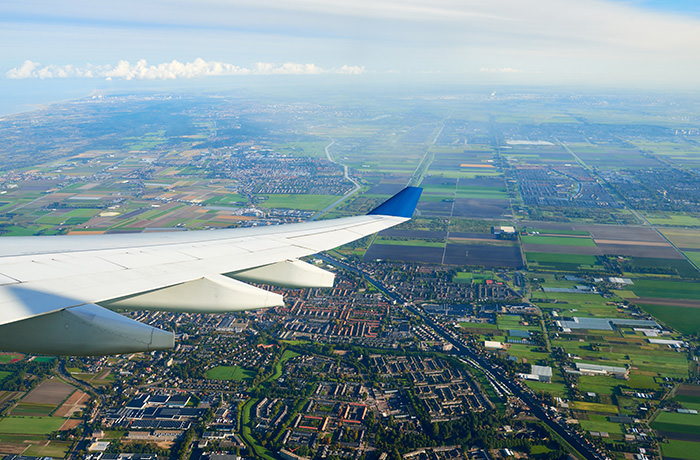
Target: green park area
{"type": "Point", "coordinates": [230, 373]}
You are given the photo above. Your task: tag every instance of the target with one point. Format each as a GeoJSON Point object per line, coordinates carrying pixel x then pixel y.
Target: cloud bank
{"type": "Point", "coordinates": [172, 70]}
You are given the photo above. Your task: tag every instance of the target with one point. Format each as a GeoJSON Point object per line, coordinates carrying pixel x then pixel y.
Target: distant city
{"type": "Point", "coordinates": [544, 301]}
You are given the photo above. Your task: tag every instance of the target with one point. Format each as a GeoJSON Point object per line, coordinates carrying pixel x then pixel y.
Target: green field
{"type": "Point", "coordinates": [577, 304]}
{"type": "Point", "coordinates": [4, 375]}
{"type": "Point", "coordinates": [694, 257]}
{"type": "Point", "coordinates": [33, 409]}
{"type": "Point", "coordinates": [690, 420]}
{"type": "Point", "coordinates": [412, 242]}
{"type": "Point", "coordinates": [230, 373]}
{"type": "Point", "coordinates": [682, 319]}
{"type": "Point", "coordinates": [556, 389]}
{"type": "Point", "coordinates": [478, 326]}
{"type": "Point", "coordinates": [553, 231]}
{"type": "Point", "coordinates": [482, 192]}
{"type": "Point", "coordinates": [30, 425]}
{"type": "Point", "coordinates": [557, 240]}
{"type": "Point", "coordinates": [672, 219]}
{"type": "Point", "coordinates": [600, 423]}
{"type": "Point", "coordinates": [286, 356]}
{"type": "Point", "coordinates": [681, 449]}
{"type": "Point", "coordinates": [230, 199]}
{"type": "Point", "coordinates": [593, 407]}
{"type": "Point", "coordinates": [467, 277]}
{"type": "Point", "coordinates": [666, 289]}
{"type": "Point", "coordinates": [7, 357]}
{"type": "Point", "coordinates": [303, 202]}
{"type": "Point", "coordinates": [554, 261]}
{"type": "Point", "coordinates": [55, 449]}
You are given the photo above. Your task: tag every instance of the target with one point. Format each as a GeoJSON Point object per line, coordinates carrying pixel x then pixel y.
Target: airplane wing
{"type": "Point", "coordinates": [57, 292]}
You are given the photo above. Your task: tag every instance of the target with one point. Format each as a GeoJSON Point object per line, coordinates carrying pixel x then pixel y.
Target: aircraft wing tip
{"type": "Point", "coordinates": [400, 205]}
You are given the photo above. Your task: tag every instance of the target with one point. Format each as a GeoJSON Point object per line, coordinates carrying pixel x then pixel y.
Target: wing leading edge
{"type": "Point", "coordinates": [51, 287]}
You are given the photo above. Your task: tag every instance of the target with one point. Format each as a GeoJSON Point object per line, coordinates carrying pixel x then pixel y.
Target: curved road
{"type": "Point", "coordinates": [347, 177]}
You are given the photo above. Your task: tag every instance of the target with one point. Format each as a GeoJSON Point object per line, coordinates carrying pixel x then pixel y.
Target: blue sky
{"type": "Point", "coordinates": [633, 43]}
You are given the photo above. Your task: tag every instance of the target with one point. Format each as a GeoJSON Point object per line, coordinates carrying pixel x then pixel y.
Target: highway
{"type": "Point", "coordinates": [503, 384]}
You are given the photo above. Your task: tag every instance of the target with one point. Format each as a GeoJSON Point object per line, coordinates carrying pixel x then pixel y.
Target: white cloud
{"type": "Point", "coordinates": [141, 70]}
{"type": "Point", "coordinates": [26, 70]}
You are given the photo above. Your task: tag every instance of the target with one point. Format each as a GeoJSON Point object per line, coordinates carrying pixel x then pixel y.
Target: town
{"type": "Point", "coordinates": [542, 303]}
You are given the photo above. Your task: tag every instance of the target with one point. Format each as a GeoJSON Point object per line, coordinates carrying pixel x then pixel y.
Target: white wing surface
{"type": "Point", "coordinates": [50, 286]}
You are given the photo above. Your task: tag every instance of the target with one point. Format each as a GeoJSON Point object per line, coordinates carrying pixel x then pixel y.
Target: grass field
{"type": "Point", "coordinates": [230, 199]}
{"type": "Point", "coordinates": [666, 289]}
{"type": "Point", "coordinates": [553, 231]}
{"type": "Point", "coordinates": [694, 256]}
{"type": "Point", "coordinates": [599, 423]}
{"type": "Point", "coordinates": [557, 240]}
{"type": "Point", "coordinates": [672, 219]}
{"type": "Point", "coordinates": [30, 425]}
{"type": "Point", "coordinates": [304, 202]}
{"type": "Point", "coordinates": [682, 319]}
{"type": "Point", "coordinates": [478, 326]}
{"type": "Point", "coordinates": [553, 261]}
{"type": "Point", "coordinates": [230, 373]}
{"type": "Point", "coordinates": [578, 304]}
{"type": "Point", "coordinates": [690, 420]}
{"type": "Point", "coordinates": [556, 389]}
{"type": "Point", "coordinates": [287, 355]}
{"type": "Point", "coordinates": [4, 375]}
{"type": "Point", "coordinates": [593, 407]}
{"type": "Point", "coordinates": [33, 409]}
{"type": "Point", "coordinates": [681, 449]}
{"type": "Point", "coordinates": [466, 277]}
{"type": "Point", "coordinates": [55, 449]}
{"type": "Point", "coordinates": [411, 242]}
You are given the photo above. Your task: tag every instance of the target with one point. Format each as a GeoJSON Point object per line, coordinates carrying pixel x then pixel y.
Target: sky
{"type": "Point", "coordinates": [592, 43]}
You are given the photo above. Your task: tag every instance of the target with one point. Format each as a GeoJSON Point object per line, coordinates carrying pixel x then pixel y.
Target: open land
{"type": "Point", "coordinates": [580, 185]}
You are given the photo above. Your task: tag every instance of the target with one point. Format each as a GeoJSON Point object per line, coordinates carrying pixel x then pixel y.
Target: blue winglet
{"type": "Point", "coordinates": [400, 205]}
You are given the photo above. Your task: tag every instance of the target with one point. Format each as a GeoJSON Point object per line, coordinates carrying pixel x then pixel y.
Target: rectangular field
{"type": "Point", "coordinates": [557, 240]}
{"type": "Point", "coordinates": [30, 425]}
{"type": "Point", "coordinates": [666, 289]}
{"type": "Point", "coordinates": [52, 391]}
{"type": "Point", "coordinates": [230, 373]}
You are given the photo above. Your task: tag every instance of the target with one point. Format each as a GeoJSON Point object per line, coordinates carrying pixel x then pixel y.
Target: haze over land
{"type": "Point", "coordinates": [593, 43]}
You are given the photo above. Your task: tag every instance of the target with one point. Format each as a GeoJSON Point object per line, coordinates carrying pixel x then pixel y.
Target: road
{"type": "Point", "coordinates": [347, 177]}
{"type": "Point", "coordinates": [503, 383]}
